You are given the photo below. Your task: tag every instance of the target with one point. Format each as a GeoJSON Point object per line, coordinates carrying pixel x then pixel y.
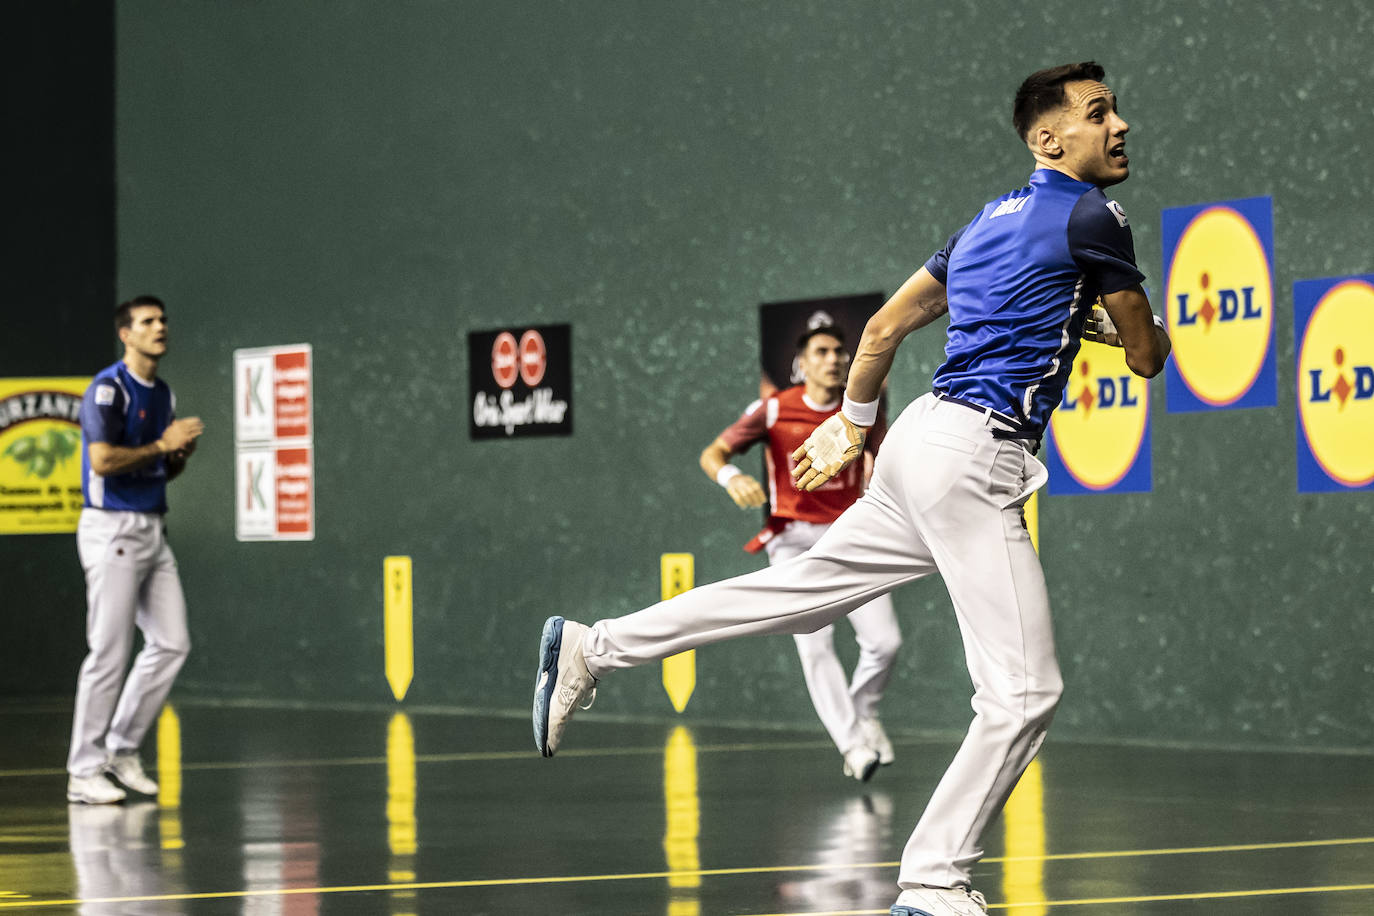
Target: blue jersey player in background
{"type": "Point", "coordinates": [131, 445]}
{"type": "Point", "coordinates": [1033, 273]}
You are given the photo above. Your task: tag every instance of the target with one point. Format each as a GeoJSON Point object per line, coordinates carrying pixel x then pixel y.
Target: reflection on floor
{"type": "Point", "coordinates": [290, 812]}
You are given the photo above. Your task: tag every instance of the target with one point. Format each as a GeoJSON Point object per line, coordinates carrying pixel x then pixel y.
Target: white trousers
{"type": "Point", "coordinates": [840, 706]}
{"type": "Point", "coordinates": [946, 496]}
{"type": "Point", "coordinates": [131, 581]}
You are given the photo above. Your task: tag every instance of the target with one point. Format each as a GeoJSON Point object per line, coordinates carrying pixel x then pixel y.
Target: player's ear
{"type": "Point", "coordinates": [1045, 142]}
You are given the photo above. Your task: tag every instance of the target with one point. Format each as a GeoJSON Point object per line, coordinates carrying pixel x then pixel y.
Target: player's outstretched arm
{"type": "Point", "coordinates": [743, 489]}
{"type": "Point", "coordinates": [920, 301]}
{"type": "Point", "coordinates": [840, 439]}
{"type": "Point", "coordinates": [1129, 323]}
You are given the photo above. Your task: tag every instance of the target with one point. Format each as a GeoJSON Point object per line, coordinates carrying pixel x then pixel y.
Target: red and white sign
{"type": "Point", "coordinates": [272, 393]}
{"type": "Point", "coordinates": [274, 493]}
{"type": "Point", "coordinates": [503, 362]}
{"type": "Point", "coordinates": [274, 497]}
{"type": "Point", "coordinates": [534, 357]}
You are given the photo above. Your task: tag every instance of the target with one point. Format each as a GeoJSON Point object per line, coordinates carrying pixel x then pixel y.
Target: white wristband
{"type": "Point", "coordinates": [860, 413]}
{"type": "Point", "coordinates": [726, 474]}
{"type": "Point", "coordinates": [1159, 323]}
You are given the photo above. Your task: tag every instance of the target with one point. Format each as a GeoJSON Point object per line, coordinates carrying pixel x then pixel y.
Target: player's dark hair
{"type": "Point", "coordinates": [124, 312]}
{"type": "Point", "coordinates": [1043, 91]}
{"type": "Point", "coordinates": [828, 330]}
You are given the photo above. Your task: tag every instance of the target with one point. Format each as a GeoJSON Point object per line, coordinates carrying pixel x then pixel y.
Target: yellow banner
{"type": "Point", "coordinates": [40, 454]}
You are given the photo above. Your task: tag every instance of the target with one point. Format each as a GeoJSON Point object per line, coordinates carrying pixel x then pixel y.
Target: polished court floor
{"type": "Point", "coordinates": [294, 812]}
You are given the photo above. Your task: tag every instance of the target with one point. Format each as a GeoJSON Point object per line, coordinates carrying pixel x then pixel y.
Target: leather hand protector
{"type": "Point", "coordinates": [827, 451]}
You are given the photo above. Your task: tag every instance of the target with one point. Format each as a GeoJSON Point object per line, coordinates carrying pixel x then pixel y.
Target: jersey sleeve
{"type": "Point", "coordinates": [938, 263]}
{"type": "Point", "coordinates": [751, 427]}
{"type": "Point", "coordinates": [102, 412]}
{"type": "Point", "coordinates": [1101, 243]}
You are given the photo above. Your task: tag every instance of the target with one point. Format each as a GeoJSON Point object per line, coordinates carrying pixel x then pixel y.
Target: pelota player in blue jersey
{"type": "Point", "coordinates": [131, 445]}
{"type": "Point", "coordinates": [1019, 284]}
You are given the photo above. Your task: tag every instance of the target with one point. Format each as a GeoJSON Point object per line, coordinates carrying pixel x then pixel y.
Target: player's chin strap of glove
{"type": "Point", "coordinates": [833, 445]}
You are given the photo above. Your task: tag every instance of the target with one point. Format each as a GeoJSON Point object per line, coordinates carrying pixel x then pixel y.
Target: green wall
{"type": "Point", "coordinates": [378, 179]}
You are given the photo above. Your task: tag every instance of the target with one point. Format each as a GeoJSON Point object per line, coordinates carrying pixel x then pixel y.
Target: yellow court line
{"type": "Point", "coordinates": [436, 885]}
{"type": "Point", "coordinates": [754, 870]}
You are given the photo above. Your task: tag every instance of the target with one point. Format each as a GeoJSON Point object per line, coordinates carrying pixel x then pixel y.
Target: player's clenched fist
{"type": "Point", "coordinates": [745, 491]}
{"type": "Point", "coordinates": [827, 451]}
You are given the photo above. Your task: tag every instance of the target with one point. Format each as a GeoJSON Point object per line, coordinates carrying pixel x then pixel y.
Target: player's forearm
{"type": "Point", "coordinates": [867, 372]}
{"type": "Point", "coordinates": [1139, 331]}
{"type": "Point", "coordinates": [109, 460]}
{"type": "Point", "coordinates": [920, 301]}
{"type": "Point", "coordinates": [1164, 344]}
{"type": "Point", "coordinates": [714, 457]}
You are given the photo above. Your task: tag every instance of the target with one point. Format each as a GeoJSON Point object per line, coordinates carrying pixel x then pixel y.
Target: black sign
{"type": "Point", "coordinates": [782, 323]}
{"type": "Point", "coordinates": [520, 381]}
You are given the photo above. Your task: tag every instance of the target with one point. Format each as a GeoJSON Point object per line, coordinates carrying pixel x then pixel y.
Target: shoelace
{"type": "Point", "coordinates": [591, 698]}
{"type": "Point", "coordinates": [977, 897]}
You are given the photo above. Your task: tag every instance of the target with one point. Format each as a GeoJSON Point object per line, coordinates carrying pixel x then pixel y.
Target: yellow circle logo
{"type": "Point", "coordinates": [1100, 422]}
{"type": "Point", "coordinates": [1220, 305]}
{"type": "Point", "coordinates": [1336, 383]}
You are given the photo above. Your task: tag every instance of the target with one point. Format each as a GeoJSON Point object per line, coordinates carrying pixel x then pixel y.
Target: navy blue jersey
{"type": "Point", "coordinates": [122, 409]}
{"type": "Point", "coordinates": [1020, 280]}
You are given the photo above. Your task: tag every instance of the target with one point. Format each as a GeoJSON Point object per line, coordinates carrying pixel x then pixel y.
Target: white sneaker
{"type": "Point", "coordinates": [129, 771]}
{"type": "Point", "coordinates": [876, 738]}
{"type": "Point", "coordinates": [940, 901]}
{"type": "Point", "coordinates": [93, 790]}
{"type": "Point", "coordinates": [861, 762]}
{"type": "Point", "coordinates": [563, 682]}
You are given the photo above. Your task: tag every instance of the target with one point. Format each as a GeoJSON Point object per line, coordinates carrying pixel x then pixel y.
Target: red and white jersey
{"type": "Point", "coordinates": [783, 421]}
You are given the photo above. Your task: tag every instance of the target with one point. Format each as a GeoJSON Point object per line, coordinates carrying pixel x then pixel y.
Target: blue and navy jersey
{"type": "Point", "coordinates": [1020, 280]}
{"type": "Point", "coordinates": [122, 409]}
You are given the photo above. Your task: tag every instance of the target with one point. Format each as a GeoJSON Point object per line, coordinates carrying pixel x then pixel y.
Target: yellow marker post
{"type": "Point", "coordinates": [398, 614]}
{"type": "Point", "coordinates": [169, 779]}
{"type": "Point", "coordinates": [678, 571]}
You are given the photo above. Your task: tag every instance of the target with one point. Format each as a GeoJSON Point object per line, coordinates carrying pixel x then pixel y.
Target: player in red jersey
{"type": "Point", "coordinates": [849, 711]}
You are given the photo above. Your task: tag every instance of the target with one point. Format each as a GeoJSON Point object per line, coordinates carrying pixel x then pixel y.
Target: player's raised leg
{"type": "Point", "coordinates": [869, 551]}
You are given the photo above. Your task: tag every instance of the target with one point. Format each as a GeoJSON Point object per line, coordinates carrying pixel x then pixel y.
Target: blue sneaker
{"type": "Point", "coordinates": [563, 682]}
{"type": "Point", "coordinates": [940, 901]}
